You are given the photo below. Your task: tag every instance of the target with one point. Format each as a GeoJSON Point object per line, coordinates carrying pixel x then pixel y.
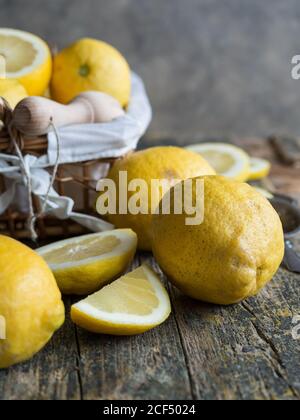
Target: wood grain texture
{"type": "Point", "coordinates": [245, 351]}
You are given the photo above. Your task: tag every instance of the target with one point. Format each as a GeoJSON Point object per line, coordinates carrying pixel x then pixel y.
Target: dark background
{"type": "Point", "coordinates": [211, 67]}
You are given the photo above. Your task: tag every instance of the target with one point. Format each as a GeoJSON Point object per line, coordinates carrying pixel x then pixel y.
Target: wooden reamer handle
{"type": "Point", "coordinates": [32, 116]}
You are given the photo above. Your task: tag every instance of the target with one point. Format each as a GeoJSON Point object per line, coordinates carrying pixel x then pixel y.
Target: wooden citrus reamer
{"type": "Point", "coordinates": [33, 115]}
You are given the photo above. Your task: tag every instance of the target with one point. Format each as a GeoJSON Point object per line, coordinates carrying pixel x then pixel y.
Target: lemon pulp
{"type": "Point", "coordinates": [88, 248]}
{"type": "Point", "coordinates": [129, 295]}
{"type": "Point", "coordinates": [26, 58]}
{"type": "Point", "coordinates": [83, 265]}
{"type": "Point", "coordinates": [226, 159]}
{"type": "Point", "coordinates": [130, 305]}
{"type": "Point", "coordinates": [17, 53]}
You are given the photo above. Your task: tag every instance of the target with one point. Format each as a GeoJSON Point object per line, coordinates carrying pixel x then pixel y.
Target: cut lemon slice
{"type": "Point", "coordinates": [130, 305]}
{"type": "Point", "coordinates": [26, 58]}
{"type": "Point", "coordinates": [83, 265]}
{"type": "Point", "coordinates": [265, 193]}
{"type": "Point", "coordinates": [259, 168]}
{"type": "Point", "coordinates": [226, 159]}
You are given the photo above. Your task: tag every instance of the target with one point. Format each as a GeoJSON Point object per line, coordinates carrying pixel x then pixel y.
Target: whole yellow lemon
{"type": "Point", "coordinates": [31, 309]}
{"type": "Point", "coordinates": [12, 91]}
{"type": "Point", "coordinates": [89, 64]}
{"type": "Point", "coordinates": [156, 163]}
{"type": "Point", "coordinates": [232, 254]}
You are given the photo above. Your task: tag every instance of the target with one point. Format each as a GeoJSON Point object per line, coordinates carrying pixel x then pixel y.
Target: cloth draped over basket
{"type": "Point", "coordinates": [77, 143]}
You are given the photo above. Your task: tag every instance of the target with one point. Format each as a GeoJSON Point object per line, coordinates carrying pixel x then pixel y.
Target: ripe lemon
{"type": "Point", "coordinates": [12, 91]}
{"type": "Point", "coordinates": [27, 59]}
{"type": "Point", "coordinates": [232, 254]}
{"type": "Point", "coordinates": [226, 159]}
{"type": "Point", "coordinates": [131, 305]}
{"type": "Point", "coordinates": [30, 302]}
{"type": "Point", "coordinates": [156, 163]}
{"type": "Point", "coordinates": [82, 265]}
{"type": "Point", "coordinates": [89, 64]}
{"type": "Point", "coordinates": [259, 168]}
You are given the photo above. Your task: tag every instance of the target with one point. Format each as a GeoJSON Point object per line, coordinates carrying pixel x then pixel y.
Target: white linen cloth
{"type": "Point", "coordinates": [78, 143]}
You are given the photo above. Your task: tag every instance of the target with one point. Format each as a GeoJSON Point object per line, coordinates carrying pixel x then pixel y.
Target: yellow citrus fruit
{"type": "Point", "coordinates": [84, 264]}
{"type": "Point", "coordinates": [27, 59]}
{"type": "Point", "coordinates": [232, 254]}
{"type": "Point", "coordinates": [12, 91]}
{"type": "Point", "coordinates": [227, 159]}
{"type": "Point", "coordinates": [89, 64]}
{"type": "Point", "coordinates": [259, 168]}
{"type": "Point", "coordinates": [156, 163]}
{"type": "Point", "coordinates": [131, 305]}
{"type": "Point", "coordinates": [30, 302]}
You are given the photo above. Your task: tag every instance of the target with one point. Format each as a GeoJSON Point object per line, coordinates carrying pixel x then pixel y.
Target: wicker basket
{"type": "Point", "coordinates": [76, 180]}
{"type": "Point", "coordinates": [14, 223]}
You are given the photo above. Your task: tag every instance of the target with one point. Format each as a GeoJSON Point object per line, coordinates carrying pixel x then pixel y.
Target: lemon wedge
{"type": "Point", "coordinates": [26, 58]}
{"type": "Point", "coordinates": [133, 304]}
{"type": "Point", "coordinates": [259, 168]}
{"type": "Point", "coordinates": [226, 159]}
{"type": "Point", "coordinates": [83, 265]}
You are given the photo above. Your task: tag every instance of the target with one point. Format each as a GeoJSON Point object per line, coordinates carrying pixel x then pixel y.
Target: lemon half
{"type": "Point", "coordinates": [226, 159]}
{"type": "Point", "coordinates": [82, 265]}
{"type": "Point", "coordinates": [27, 58]}
{"type": "Point", "coordinates": [131, 305]}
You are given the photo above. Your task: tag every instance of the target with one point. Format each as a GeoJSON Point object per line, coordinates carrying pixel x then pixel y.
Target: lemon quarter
{"type": "Point", "coordinates": [84, 264]}
{"type": "Point", "coordinates": [227, 159]}
{"type": "Point", "coordinates": [131, 305]}
{"type": "Point", "coordinates": [27, 58]}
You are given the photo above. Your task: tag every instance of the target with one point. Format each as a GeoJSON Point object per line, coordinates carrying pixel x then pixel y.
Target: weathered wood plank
{"type": "Point", "coordinates": [244, 351]}
{"type": "Point", "coordinates": [148, 366]}
{"type": "Point", "coordinates": [51, 374]}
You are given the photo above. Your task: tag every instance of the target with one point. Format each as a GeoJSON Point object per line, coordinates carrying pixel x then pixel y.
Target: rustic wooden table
{"type": "Point", "coordinates": [246, 351]}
